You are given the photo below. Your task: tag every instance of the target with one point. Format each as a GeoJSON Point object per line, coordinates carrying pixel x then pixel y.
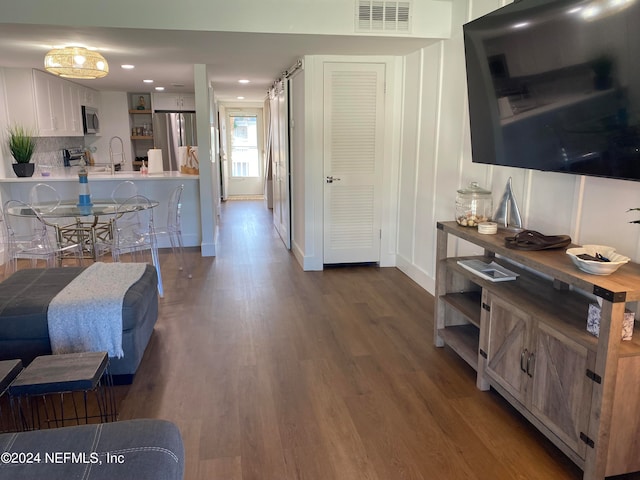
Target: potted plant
{"type": "Point", "coordinates": [22, 143]}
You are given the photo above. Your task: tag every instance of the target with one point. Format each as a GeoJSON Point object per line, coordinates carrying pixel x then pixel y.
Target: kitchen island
{"type": "Point", "coordinates": [157, 186]}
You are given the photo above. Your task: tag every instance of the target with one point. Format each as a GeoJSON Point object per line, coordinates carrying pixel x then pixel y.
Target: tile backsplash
{"type": "Point", "coordinates": [49, 150]}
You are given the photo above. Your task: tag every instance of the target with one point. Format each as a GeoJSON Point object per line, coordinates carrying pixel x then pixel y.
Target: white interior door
{"type": "Point", "coordinates": [245, 146]}
{"type": "Point", "coordinates": [353, 155]}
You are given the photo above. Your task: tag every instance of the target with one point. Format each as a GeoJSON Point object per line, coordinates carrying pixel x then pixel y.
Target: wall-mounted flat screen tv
{"type": "Point", "coordinates": [555, 86]}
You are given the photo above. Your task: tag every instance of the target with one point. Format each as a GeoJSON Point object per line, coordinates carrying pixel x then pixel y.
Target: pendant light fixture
{"type": "Point", "coordinates": [76, 62]}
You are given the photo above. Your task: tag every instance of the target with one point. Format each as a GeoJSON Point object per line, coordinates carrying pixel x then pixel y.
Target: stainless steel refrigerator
{"type": "Point", "coordinates": [170, 131]}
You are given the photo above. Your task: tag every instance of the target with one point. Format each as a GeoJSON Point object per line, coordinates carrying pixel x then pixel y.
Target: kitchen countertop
{"type": "Point", "coordinates": [66, 174]}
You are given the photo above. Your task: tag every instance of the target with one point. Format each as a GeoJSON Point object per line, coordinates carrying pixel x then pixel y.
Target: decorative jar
{"type": "Point", "coordinates": [473, 205]}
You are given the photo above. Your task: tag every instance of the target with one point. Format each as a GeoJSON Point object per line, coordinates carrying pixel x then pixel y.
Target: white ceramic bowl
{"type": "Point", "coordinates": [593, 267]}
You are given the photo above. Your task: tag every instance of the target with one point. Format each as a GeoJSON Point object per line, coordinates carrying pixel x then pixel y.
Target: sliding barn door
{"type": "Point", "coordinates": [280, 161]}
{"type": "Point", "coordinates": [353, 156]}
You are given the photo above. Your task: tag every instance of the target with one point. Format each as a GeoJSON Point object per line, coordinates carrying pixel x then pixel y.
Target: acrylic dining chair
{"type": "Point", "coordinates": [134, 234]}
{"type": "Point", "coordinates": [124, 190]}
{"type": "Point", "coordinates": [29, 237]}
{"type": "Point", "coordinates": [45, 199]}
{"type": "Point", "coordinates": [173, 229]}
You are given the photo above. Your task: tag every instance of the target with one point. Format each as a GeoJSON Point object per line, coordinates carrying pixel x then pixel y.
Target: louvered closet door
{"type": "Point", "coordinates": [353, 155]}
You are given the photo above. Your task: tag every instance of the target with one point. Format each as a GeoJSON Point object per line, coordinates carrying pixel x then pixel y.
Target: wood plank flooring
{"type": "Point", "coordinates": [272, 373]}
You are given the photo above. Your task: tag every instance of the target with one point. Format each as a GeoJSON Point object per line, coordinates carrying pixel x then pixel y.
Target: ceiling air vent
{"type": "Point", "coordinates": [382, 16]}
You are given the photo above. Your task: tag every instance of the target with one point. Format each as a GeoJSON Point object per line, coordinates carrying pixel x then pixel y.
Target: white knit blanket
{"type": "Point", "coordinates": [86, 316]}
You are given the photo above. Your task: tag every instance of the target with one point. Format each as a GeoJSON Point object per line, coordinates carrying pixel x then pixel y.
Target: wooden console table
{"type": "Point", "coordinates": [527, 339]}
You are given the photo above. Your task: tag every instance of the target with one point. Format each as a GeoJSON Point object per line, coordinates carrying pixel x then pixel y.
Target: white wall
{"type": "Point", "coordinates": [114, 121]}
{"type": "Point", "coordinates": [436, 161]}
{"type": "Point", "coordinates": [208, 157]}
{"type": "Point", "coordinates": [297, 162]}
{"type": "Point", "coordinates": [5, 155]}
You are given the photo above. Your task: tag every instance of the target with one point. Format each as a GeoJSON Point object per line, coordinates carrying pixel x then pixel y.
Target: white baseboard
{"type": "Point", "coordinates": [209, 249]}
{"type": "Point", "coordinates": [308, 264]}
{"type": "Point", "coordinates": [416, 274]}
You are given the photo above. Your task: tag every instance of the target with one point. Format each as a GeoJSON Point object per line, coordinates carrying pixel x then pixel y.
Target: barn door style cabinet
{"type": "Point", "coordinates": [527, 339]}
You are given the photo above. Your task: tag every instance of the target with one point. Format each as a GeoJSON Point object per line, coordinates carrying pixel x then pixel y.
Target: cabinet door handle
{"type": "Point", "coordinates": [522, 355]}
{"type": "Point", "coordinates": [531, 363]}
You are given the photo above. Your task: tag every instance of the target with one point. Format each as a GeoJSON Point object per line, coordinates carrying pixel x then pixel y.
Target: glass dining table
{"type": "Point", "coordinates": [93, 224]}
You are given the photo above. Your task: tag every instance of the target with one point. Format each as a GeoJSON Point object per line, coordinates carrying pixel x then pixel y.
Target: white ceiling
{"type": "Point", "coordinates": [168, 56]}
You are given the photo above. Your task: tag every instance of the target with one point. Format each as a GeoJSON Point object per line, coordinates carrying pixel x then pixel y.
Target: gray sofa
{"type": "Point", "coordinates": [24, 300]}
{"type": "Point", "coordinates": [128, 450]}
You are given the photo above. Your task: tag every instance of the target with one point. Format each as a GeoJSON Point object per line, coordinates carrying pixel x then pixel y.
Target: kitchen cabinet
{"type": "Point", "coordinates": [58, 105]}
{"type": "Point", "coordinates": [89, 97]}
{"type": "Point", "coordinates": [174, 102]}
{"type": "Point", "coordinates": [72, 108]}
{"type": "Point", "coordinates": [20, 97]}
{"type": "Point", "coordinates": [48, 104]}
{"type": "Point", "coordinates": [527, 340]}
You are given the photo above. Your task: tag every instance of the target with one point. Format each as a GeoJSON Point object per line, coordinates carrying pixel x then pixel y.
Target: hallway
{"type": "Point", "coordinates": [272, 373]}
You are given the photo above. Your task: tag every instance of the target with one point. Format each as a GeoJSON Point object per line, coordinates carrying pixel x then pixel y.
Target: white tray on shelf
{"type": "Point", "coordinates": [489, 271]}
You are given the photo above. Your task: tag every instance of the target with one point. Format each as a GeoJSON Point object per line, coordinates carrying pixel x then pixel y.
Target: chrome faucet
{"type": "Point", "coordinates": [112, 155]}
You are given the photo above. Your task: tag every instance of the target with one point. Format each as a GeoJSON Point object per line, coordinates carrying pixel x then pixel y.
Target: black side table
{"type": "Point", "coordinates": [9, 370]}
{"type": "Point", "coordinates": [49, 387]}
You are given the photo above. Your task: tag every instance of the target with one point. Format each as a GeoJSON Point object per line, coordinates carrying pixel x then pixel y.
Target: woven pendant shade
{"type": "Point", "coordinates": [76, 62]}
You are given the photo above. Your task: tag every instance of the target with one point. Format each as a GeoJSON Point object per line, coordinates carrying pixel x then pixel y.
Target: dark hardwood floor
{"type": "Point", "coordinates": [272, 373]}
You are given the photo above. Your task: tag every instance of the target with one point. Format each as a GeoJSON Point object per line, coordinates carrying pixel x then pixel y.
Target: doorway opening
{"type": "Point", "coordinates": [246, 160]}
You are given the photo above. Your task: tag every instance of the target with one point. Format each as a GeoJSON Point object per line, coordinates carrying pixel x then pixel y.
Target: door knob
{"type": "Point", "coordinates": [331, 179]}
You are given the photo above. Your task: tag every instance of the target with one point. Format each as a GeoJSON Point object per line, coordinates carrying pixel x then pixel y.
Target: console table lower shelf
{"type": "Point", "coordinates": [527, 339]}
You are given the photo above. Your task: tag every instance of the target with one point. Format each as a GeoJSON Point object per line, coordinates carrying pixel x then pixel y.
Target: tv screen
{"type": "Point", "coordinates": [554, 86]}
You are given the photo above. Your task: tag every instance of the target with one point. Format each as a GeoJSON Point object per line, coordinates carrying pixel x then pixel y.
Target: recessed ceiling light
{"type": "Point", "coordinates": [159, 88]}
{"type": "Point", "coordinates": [244, 81]}
{"type": "Point", "coordinates": [128, 67]}
{"type": "Point", "coordinates": [522, 25]}
{"type": "Point", "coordinates": [147, 81]}
{"type": "Point", "coordinates": [240, 98]}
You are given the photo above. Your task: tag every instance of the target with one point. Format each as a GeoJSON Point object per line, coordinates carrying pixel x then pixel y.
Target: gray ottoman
{"type": "Point", "coordinates": [129, 450]}
{"type": "Point", "coordinates": [25, 298]}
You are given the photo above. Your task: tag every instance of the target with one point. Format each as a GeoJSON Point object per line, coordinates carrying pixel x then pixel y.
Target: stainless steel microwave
{"type": "Point", "coordinates": [90, 121]}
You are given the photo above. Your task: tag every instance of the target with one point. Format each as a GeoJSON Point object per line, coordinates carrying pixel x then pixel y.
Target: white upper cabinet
{"type": "Point", "coordinates": [174, 102]}
{"type": "Point", "coordinates": [188, 102]}
{"type": "Point", "coordinates": [72, 109]}
{"type": "Point", "coordinates": [89, 97]}
{"type": "Point", "coordinates": [50, 105]}
{"type": "Point", "coordinates": [20, 97]}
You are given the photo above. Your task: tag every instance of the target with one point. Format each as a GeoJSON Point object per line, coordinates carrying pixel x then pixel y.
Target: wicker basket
{"type": "Point", "coordinates": [192, 167]}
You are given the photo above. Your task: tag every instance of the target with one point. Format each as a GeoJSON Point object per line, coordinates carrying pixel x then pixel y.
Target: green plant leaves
{"type": "Point", "coordinates": [22, 143]}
